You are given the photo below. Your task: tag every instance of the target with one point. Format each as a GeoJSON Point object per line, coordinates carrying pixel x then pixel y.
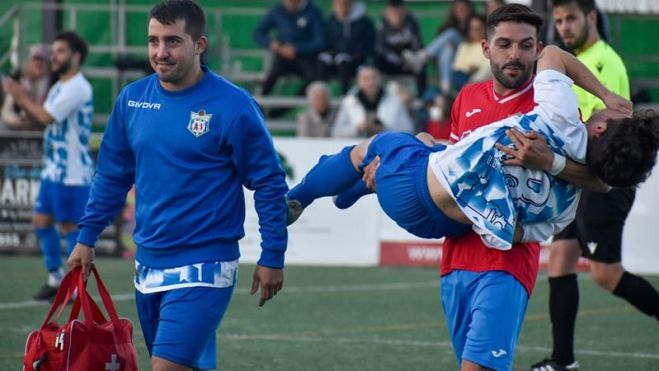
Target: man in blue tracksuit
{"type": "Point", "coordinates": [189, 141]}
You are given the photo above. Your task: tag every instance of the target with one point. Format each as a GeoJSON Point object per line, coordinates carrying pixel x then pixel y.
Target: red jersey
{"type": "Point", "coordinates": [478, 105]}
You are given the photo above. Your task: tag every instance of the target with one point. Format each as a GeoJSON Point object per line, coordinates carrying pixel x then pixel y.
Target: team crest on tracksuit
{"type": "Point", "coordinates": [199, 123]}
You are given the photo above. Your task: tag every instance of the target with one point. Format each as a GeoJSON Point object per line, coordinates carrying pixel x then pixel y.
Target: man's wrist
{"type": "Point", "coordinates": [272, 259]}
{"type": "Point", "coordinates": [88, 236]}
{"type": "Point", "coordinates": [557, 164]}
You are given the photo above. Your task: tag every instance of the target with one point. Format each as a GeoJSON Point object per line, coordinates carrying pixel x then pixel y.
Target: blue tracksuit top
{"type": "Point", "coordinates": [188, 153]}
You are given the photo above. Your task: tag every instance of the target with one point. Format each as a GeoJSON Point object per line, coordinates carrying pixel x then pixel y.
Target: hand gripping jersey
{"type": "Point", "coordinates": [497, 197]}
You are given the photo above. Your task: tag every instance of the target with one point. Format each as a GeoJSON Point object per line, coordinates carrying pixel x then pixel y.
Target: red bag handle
{"type": "Point", "coordinates": [75, 311]}
{"type": "Point", "coordinates": [88, 302]}
{"type": "Point", "coordinates": [64, 292]}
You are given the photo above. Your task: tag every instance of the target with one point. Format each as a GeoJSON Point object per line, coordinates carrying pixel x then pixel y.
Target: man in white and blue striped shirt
{"type": "Point", "coordinates": [68, 168]}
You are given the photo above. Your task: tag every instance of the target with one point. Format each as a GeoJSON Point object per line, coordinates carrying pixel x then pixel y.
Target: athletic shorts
{"type": "Point", "coordinates": [402, 186]}
{"type": "Point", "coordinates": [484, 312]}
{"type": "Point", "coordinates": [599, 224]}
{"type": "Point", "coordinates": [179, 325]}
{"type": "Point", "coordinates": [65, 203]}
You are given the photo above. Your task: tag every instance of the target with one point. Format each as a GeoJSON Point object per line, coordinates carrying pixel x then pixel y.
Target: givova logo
{"type": "Point", "coordinates": [146, 105]}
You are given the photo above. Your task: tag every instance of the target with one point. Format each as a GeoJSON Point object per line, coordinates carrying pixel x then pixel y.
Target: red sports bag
{"type": "Point", "coordinates": [89, 345]}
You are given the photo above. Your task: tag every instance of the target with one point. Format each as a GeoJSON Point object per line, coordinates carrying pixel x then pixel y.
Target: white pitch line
{"type": "Point", "coordinates": [417, 343]}
{"type": "Point", "coordinates": [287, 290]}
{"type": "Point", "coordinates": [349, 288]}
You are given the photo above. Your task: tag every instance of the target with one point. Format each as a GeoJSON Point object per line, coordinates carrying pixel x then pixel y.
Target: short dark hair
{"type": "Point", "coordinates": [396, 3]}
{"type": "Point", "coordinates": [76, 43]}
{"type": "Point", "coordinates": [512, 13]}
{"type": "Point", "coordinates": [586, 6]}
{"type": "Point", "coordinates": [169, 11]}
{"type": "Point", "coordinates": [624, 155]}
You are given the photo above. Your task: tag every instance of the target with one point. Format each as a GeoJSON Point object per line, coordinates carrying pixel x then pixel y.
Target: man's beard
{"type": "Point", "coordinates": [63, 69]}
{"type": "Point", "coordinates": [579, 42]}
{"type": "Point", "coordinates": [511, 82]}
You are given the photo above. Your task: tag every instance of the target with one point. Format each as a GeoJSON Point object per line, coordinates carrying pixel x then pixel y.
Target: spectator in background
{"type": "Point", "coordinates": [371, 109]}
{"type": "Point", "coordinates": [492, 5]}
{"type": "Point", "coordinates": [444, 46]}
{"type": "Point", "coordinates": [300, 36]}
{"type": "Point", "coordinates": [438, 118]}
{"type": "Point", "coordinates": [317, 119]}
{"type": "Point", "coordinates": [35, 77]}
{"type": "Point", "coordinates": [350, 38]}
{"type": "Point", "coordinates": [550, 35]}
{"type": "Point", "coordinates": [68, 168]}
{"type": "Point", "coordinates": [412, 106]}
{"type": "Point", "coordinates": [398, 33]}
{"type": "Point", "coordinates": [470, 65]}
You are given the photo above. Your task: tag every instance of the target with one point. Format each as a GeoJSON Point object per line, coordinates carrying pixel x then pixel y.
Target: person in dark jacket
{"type": "Point", "coordinates": [350, 37]}
{"type": "Point", "coordinates": [300, 36]}
{"type": "Point", "coordinates": [399, 33]}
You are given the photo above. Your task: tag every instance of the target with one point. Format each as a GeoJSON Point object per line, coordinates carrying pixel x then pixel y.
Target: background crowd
{"type": "Point", "coordinates": [388, 77]}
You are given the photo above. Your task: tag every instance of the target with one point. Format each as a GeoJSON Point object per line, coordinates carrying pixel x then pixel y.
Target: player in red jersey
{"type": "Point", "coordinates": [485, 291]}
{"type": "Point", "coordinates": [473, 275]}
{"type": "Point", "coordinates": [478, 282]}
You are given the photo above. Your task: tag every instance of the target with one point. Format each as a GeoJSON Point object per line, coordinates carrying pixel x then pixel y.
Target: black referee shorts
{"type": "Point", "coordinates": [599, 224]}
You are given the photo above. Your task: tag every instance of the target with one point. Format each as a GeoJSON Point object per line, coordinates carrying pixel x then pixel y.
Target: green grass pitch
{"type": "Point", "coordinates": [348, 319]}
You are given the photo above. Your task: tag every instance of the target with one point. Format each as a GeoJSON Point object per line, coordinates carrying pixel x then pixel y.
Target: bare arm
{"type": "Point", "coordinates": [579, 175]}
{"type": "Point", "coordinates": [531, 151]}
{"type": "Point", "coordinates": [36, 111]}
{"type": "Point", "coordinates": [553, 58]}
{"type": "Point", "coordinates": [21, 98]}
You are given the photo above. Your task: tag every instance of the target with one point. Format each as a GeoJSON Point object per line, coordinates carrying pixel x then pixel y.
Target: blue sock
{"type": "Point", "coordinates": [332, 175]}
{"type": "Point", "coordinates": [71, 240]}
{"type": "Point", "coordinates": [51, 249]}
{"type": "Point", "coordinates": [348, 198]}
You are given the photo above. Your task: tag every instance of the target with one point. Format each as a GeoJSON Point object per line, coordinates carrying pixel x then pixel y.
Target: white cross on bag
{"type": "Point", "coordinates": [113, 365]}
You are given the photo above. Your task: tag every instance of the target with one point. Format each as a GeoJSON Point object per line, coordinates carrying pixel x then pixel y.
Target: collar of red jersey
{"type": "Point", "coordinates": [512, 94]}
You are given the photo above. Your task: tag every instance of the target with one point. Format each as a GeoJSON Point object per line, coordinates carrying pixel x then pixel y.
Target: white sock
{"type": "Point", "coordinates": [55, 278]}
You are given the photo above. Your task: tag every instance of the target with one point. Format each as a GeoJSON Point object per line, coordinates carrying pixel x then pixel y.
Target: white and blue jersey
{"type": "Point", "coordinates": [208, 274]}
{"type": "Point", "coordinates": [66, 141]}
{"type": "Point", "coordinates": [496, 197]}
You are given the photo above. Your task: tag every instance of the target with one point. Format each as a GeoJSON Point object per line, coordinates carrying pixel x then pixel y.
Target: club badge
{"type": "Point", "coordinates": [199, 123]}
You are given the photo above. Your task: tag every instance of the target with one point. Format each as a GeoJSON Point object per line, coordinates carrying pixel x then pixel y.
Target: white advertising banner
{"type": "Point", "coordinates": [640, 245]}
{"type": "Point", "coordinates": [324, 235]}
{"type": "Point", "coordinates": [364, 236]}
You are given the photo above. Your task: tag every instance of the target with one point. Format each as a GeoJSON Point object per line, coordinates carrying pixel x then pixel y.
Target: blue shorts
{"type": "Point", "coordinates": [179, 325]}
{"type": "Point", "coordinates": [64, 203]}
{"type": "Point", "coordinates": [402, 186]}
{"type": "Point", "coordinates": [484, 312]}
